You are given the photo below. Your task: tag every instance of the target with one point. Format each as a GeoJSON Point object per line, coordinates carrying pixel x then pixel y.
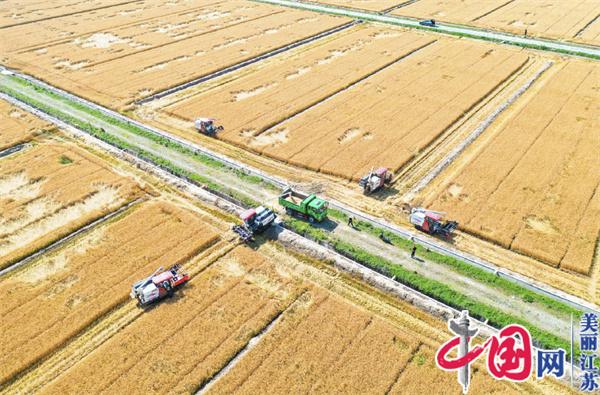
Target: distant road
{"type": "Point", "coordinates": [488, 35]}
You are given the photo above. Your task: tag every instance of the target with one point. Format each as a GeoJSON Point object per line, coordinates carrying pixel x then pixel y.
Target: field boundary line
{"type": "Point", "coordinates": [253, 342]}
{"type": "Point", "coordinates": [482, 127]}
{"type": "Point", "coordinates": [58, 243]}
{"type": "Point", "coordinates": [571, 49]}
{"type": "Point", "coordinates": [492, 11]}
{"type": "Point", "coordinates": [590, 23]}
{"type": "Point", "coordinates": [248, 62]}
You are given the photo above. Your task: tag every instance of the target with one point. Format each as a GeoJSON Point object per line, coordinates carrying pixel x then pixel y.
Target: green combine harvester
{"type": "Point", "coordinates": [299, 205]}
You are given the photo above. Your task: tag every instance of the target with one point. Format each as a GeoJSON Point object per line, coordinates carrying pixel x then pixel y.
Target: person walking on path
{"type": "Point", "coordinates": [350, 222]}
{"type": "Point", "coordinates": [413, 252]}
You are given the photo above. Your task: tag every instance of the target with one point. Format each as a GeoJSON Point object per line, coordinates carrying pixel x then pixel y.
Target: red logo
{"type": "Point", "coordinates": [509, 353]}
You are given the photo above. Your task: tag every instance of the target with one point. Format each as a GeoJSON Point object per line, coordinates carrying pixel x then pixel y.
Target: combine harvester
{"type": "Point", "coordinates": [431, 222]}
{"type": "Point", "coordinates": [375, 180]}
{"type": "Point", "coordinates": [158, 285]}
{"type": "Point", "coordinates": [255, 220]}
{"type": "Point", "coordinates": [207, 126]}
{"type": "Point", "coordinates": [308, 207]}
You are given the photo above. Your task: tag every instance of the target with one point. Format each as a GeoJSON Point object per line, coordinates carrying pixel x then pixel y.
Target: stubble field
{"type": "Point", "coordinates": [570, 20]}
{"type": "Point", "coordinates": [534, 187]}
{"type": "Point", "coordinates": [130, 55]}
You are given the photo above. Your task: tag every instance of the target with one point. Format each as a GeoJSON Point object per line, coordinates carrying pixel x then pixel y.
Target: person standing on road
{"type": "Point", "coordinates": [413, 252]}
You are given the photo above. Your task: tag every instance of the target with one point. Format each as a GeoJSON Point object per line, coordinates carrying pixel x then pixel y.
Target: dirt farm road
{"type": "Point", "coordinates": [551, 321]}
{"type": "Point", "coordinates": [489, 35]}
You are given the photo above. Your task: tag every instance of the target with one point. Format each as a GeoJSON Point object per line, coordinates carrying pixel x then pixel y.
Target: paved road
{"type": "Point", "coordinates": [507, 38]}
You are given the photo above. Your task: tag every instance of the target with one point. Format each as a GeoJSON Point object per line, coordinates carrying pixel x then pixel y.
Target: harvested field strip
{"type": "Point", "coordinates": [18, 127]}
{"type": "Point", "coordinates": [173, 62]}
{"type": "Point", "coordinates": [546, 219]}
{"type": "Point", "coordinates": [64, 293]}
{"type": "Point", "coordinates": [220, 311]}
{"type": "Point", "coordinates": [43, 200]}
{"type": "Point", "coordinates": [340, 62]}
{"type": "Point", "coordinates": [451, 75]}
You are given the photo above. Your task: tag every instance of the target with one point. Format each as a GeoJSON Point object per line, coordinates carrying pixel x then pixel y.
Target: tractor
{"type": "Point", "coordinates": [375, 180]}
{"type": "Point", "coordinates": [159, 285]}
{"type": "Point", "coordinates": [255, 221]}
{"type": "Point", "coordinates": [207, 126]}
{"type": "Point", "coordinates": [431, 222]}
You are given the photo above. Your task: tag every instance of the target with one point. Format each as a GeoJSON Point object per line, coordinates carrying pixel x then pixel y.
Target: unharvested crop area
{"type": "Point", "coordinates": [116, 55]}
{"type": "Point", "coordinates": [393, 114]}
{"type": "Point", "coordinates": [51, 190]}
{"type": "Point", "coordinates": [17, 125]}
{"type": "Point", "coordinates": [248, 105]}
{"type": "Point", "coordinates": [62, 293]}
{"type": "Point", "coordinates": [571, 20]}
{"type": "Point", "coordinates": [534, 186]}
{"type": "Point", "coordinates": [311, 340]}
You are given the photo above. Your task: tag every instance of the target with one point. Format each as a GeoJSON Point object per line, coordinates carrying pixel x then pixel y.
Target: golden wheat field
{"type": "Point", "coordinates": [312, 340]}
{"type": "Point", "coordinates": [18, 126]}
{"type": "Point", "coordinates": [127, 55]}
{"type": "Point", "coordinates": [50, 190]}
{"type": "Point", "coordinates": [372, 5]}
{"type": "Point", "coordinates": [290, 84]}
{"type": "Point", "coordinates": [393, 114]}
{"type": "Point", "coordinates": [539, 196]}
{"type": "Point", "coordinates": [569, 20]}
{"type": "Point", "coordinates": [57, 296]}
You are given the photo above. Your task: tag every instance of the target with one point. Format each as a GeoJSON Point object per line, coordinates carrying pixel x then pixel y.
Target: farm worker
{"type": "Point", "coordinates": [525, 32]}
{"type": "Point", "coordinates": [413, 252]}
{"type": "Point", "coordinates": [350, 223]}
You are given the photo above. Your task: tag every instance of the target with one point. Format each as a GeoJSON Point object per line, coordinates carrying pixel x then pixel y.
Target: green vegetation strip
{"type": "Point", "coordinates": [462, 267]}
{"type": "Point", "coordinates": [432, 288]}
{"type": "Point", "coordinates": [124, 145]}
{"type": "Point", "coordinates": [134, 129]}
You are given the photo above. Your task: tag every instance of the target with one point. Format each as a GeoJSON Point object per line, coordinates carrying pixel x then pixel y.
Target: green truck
{"type": "Point", "coordinates": [299, 205]}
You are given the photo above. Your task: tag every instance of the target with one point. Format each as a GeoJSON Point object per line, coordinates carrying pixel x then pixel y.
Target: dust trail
{"type": "Point", "coordinates": [476, 133]}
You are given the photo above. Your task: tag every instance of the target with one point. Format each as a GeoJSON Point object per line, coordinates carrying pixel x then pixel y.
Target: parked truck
{"type": "Point", "coordinates": [299, 205]}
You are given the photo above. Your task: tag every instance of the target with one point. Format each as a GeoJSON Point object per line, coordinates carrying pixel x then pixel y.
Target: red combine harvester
{"type": "Point", "coordinates": [256, 220]}
{"type": "Point", "coordinates": [158, 285]}
{"type": "Point", "coordinates": [375, 180]}
{"type": "Point", "coordinates": [431, 222]}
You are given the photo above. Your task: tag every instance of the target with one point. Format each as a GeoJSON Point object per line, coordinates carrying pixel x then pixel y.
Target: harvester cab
{"type": "Point", "coordinates": [160, 284]}
{"type": "Point", "coordinates": [375, 180]}
{"type": "Point", "coordinates": [431, 222]}
{"type": "Point", "coordinates": [207, 126]}
{"type": "Point", "coordinates": [255, 221]}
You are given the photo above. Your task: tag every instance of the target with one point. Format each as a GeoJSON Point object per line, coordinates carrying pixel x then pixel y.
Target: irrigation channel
{"type": "Point", "coordinates": [545, 309]}
{"type": "Point", "coordinates": [587, 51]}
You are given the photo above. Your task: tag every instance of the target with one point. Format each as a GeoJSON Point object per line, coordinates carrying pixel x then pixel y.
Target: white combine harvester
{"type": "Point", "coordinates": [159, 285]}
